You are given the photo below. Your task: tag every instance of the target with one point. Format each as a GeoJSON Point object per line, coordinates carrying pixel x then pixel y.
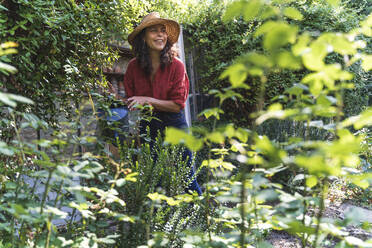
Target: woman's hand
{"type": "Point", "coordinates": [141, 100]}
{"type": "Point", "coordinates": [157, 104]}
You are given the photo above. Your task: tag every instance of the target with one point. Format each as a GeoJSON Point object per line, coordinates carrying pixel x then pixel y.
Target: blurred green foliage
{"type": "Point", "coordinates": [217, 43]}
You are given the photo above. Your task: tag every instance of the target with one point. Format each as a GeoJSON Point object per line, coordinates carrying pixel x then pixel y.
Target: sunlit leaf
{"type": "Point", "coordinates": [367, 62]}
{"type": "Point", "coordinates": [237, 74]}
{"type": "Point", "coordinates": [334, 3]}
{"type": "Point", "coordinates": [216, 137]}
{"type": "Point", "coordinates": [233, 10]}
{"type": "Point", "coordinates": [7, 67]}
{"type": "Point", "coordinates": [268, 11]}
{"type": "Point", "coordinates": [218, 163]}
{"type": "Point", "coordinates": [311, 181]}
{"type": "Point", "coordinates": [313, 60]}
{"type": "Point", "coordinates": [301, 45]}
{"type": "Point", "coordinates": [361, 180]}
{"type": "Point", "coordinates": [287, 60]}
{"type": "Point", "coordinates": [212, 112]}
{"type": "Point", "coordinates": [338, 43]}
{"type": "Point", "coordinates": [293, 13]}
{"type": "Point", "coordinates": [356, 242]}
{"type": "Point", "coordinates": [251, 10]}
{"type": "Point", "coordinates": [317, 165]}
{"type": "Point", "coordinates": [8, 44]}
{"type": "Point", "coordinates": [21, 99]}
{"type": "Point", "coordinates": [276, 34]}
{"type": "Point", "coordinates": [275, 111]}
{"type": "Point", "coordinates": [296, 89]}
{"type": "Point", "coordinates": [257, 59]}
{"type": "Point", "coordinates": [5, 149]}
{"type": "Point", "coordinates": [177, 136]}
{"type": "Point", "coordinates": [359, 121]}
{"type": "Point", "coordinates": [367, 26]}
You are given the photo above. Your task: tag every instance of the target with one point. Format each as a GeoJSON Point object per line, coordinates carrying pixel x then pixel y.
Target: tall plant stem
{"type": "Point", "coordinates": [304, 237]}
{"type": "Point", "coordinates": [45, 194]}
{"type": "Point", "coordinates": [244, 168]}
{"type": "Point", "coordinates": [321, 210]}
{"type": "Point", "coordinates": [207, 186]}
{"type": "Point", "coordinates": [18, 182]}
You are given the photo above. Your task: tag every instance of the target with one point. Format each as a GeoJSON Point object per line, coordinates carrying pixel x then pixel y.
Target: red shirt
{"type": "Point", "coordinates": [170, 83]}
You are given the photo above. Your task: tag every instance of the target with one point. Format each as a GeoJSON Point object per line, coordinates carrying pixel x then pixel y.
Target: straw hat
{"type": "Point", "coordinates": [172, 27]}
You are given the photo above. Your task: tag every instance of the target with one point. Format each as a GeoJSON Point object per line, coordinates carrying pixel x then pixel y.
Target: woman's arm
{"type": "Point", "coordinates": [159, 105]}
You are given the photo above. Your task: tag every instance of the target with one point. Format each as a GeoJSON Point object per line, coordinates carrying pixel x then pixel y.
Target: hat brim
{"type": "Point", "coordinates": [172, 28]}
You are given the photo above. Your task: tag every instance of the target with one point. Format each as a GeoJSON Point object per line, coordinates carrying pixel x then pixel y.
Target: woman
{"type": "Point", "coordinates": [157, 78]}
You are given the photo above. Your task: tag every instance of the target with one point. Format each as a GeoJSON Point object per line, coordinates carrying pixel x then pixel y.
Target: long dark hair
{"type": "Point", "coordinates": [142, 54]}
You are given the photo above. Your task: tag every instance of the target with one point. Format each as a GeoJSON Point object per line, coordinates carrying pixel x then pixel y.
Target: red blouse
{"type": "Point", "coordinates": [171, 83]}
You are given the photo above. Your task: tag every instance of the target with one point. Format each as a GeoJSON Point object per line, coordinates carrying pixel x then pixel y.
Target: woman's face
{"type": "Point", "coordinates": [156, 37]}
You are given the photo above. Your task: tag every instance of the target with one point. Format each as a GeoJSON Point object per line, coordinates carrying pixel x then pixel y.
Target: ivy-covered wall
{"type": "Point", "coordinates": [62, 47]}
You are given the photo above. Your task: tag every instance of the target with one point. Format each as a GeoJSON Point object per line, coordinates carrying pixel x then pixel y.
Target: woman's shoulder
{"type": "Point", "coordinates": [132, 62]}
{"type": "Point", "coordinates": [178, 64]}
{"type": "Point", "coordinates": [132, 65]}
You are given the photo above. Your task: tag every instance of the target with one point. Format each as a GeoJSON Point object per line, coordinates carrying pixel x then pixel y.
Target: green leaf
{"type": "Point", "coordinates": [313, 59]}
{"type": "Point", "coordinates": [132, 177]}
{"type": "Point", "coordinates": [6, 100]}
{"type": "Point", "coordinates": [275, 111]}
{"type": "Point", "coordinates": [177, 136]}
{"type": "Point", "coordinates": [21, 99]}
{"type": "Point", "coordinates": [356, 242]}
{"type": "Point", "coordinates": [296, 89]}
{"type": "Point", "coordinates": [301, 47]}
{"type": "Point", "coordinates": [281, 35]}
{"type": "Point", "coordinates": [361, 180]}
{"type": "Point", "coordinates": [367, 26]}
{"type": "Point", "coordinates": [120, 182]}
{"type": "Point", "coordinates": [44, 163]}
{"type": "Point", "coordinates": [257, 59]}
{"type": "Point", "coordinates": [7, 68]}
{"type": "Point", "coordinates": [217, 163]}
{"type": "Point", "coordinates": [359, 121]}
{"type": "Point", "coordinates": [315, 82]}
{"type": "Point", "coordinates": [268, 11]}
{"type": "Point", "coordinates": [19, 210]}
{"type": "Point", "coordinates": [293, 13]}
{"type": "Point", "coordinates": [367, 62]}
{"type": "Point", "coordinates": [8, 44]}
{"type": "Point", "coordinates": [233, 10]}
{"type": "Point", "coordinates": [216, 137]}
{"type": "Point", "coordinates": [317, 165]}
{"type": "Point", "coordinates": [266, 195]}
{"type": "Point", "coordinates": [298, 227]}
{"type": "Point", "coordinates": [265, 28]}
{"type": "Point", "coordinates": [334, 3]}
{"type": "Point", "coordinates": [212, 112]}
{"type": "Point", "coordinates": [264, 244]}
{"type": "Point", "coordinates": [311, 181]}
{"type": "Point", "coordinates": [5, 149]}
{"type": "Point", "coordinates": [325, 100]}
{"type": "Point", "coordinates": [287, 60]}
{"type": "Point", "coordinates": [237, 74]}
{"type": "Point", "coordinates": [338, 43]}
{"type": "Point", "coordinates": [251, 10]}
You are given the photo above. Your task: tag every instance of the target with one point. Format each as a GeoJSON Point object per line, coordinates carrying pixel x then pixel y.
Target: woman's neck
{"type": "Point", "coordinates": [155, 58]}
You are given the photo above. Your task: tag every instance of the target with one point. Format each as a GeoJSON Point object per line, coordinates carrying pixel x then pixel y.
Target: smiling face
{"type": "Point", "coordinates": [156, 37]}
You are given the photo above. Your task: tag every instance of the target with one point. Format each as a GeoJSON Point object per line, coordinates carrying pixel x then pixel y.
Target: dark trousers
{"type": "Point", "coordinates": [158, 124]}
